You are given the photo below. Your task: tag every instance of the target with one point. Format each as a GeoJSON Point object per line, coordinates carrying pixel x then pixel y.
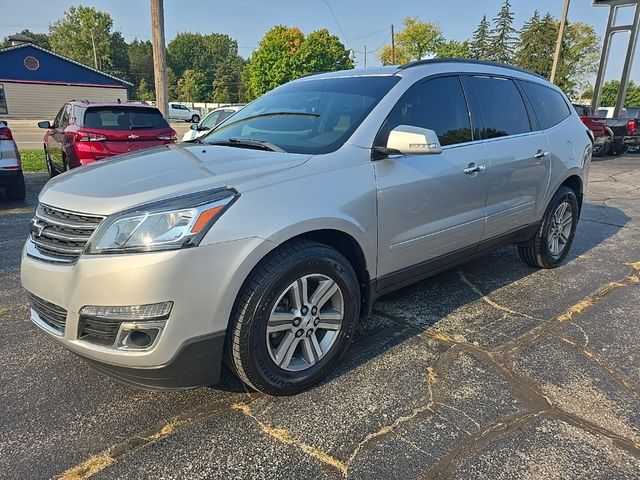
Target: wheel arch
{"type": "Point", "coordinates": [574, 182]}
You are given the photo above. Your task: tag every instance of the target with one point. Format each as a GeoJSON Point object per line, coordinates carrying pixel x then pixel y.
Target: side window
{"type": "Point", "coordinates": [64, 121]}
{"type": "Point", "coordinates": [501, 105]}
{"type": "Point", "coordinates": [212, 120]}
{"type": "Point", "coordinates": [549, 105]}
{"type": "Point", "coordinates": [437, 104]}
{"type": "Point", "coordinates": [3, 101]}
{"type": "Point", "coordinates": [174, 106]}
{"type": "Point", "coordinates": [56, 122]}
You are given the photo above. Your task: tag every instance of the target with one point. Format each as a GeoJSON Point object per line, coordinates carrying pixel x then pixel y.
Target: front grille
{"type": "Point", "coordinates": [52, 315]}
{"type": "Point", "coordinates": [100, 331]}
{"type": "Point", "coordinates": [60, 235]}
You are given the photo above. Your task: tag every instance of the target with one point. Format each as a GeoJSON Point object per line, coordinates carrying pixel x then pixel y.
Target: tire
{"type": "Point", "coordinates": [634, 149]}
{"type": "Point", "coordinates": [253, 352]}
{"type": "Point", "coordinates": [538, 252]}
{"type": "Point", "coordinates": [195, 119]}
{"type": "Point", "coordinates": [50, 168]}
{"type": "Point", "coordinates": [601, 151]}
{"type": "Point", "coordinates": [620, 150]}
{"type": "Point", "coordinates": [17, 190]}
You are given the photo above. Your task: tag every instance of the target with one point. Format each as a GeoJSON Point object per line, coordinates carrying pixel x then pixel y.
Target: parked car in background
{"type": "Point", "coordinates": [11, 176]}
{"type": "Point", "coordinates": [267, 242]}
{"type": "Point", "coordinates": [177, 111]}
{"type": "Point", "coordinates": [624, 130]}
{"type": "Point", "coordinates": [211, 120]}
{"type": "Point", "coordinates": [602, 135]}
{"type": "Point", "coordinates": [84, 132]}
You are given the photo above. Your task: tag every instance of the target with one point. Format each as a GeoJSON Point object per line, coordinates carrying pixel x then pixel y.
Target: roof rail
{"type": "Point", "coordinates": [472, 61]}
{"type": "Point", "coordinates": [82, 100]}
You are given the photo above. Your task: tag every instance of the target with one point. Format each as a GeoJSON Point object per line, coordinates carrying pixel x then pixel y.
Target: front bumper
{"type": "Point", "coordinates": [202, 283]}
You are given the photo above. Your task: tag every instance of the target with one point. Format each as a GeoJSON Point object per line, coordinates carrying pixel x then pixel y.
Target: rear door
{"type": "Point", "coordinates": [427, 205]}
{"type": "Point", "coordinates": [519, 161]}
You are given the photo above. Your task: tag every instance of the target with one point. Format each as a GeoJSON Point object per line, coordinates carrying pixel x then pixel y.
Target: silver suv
{"type": "Point", "coordinates": [267, 240]}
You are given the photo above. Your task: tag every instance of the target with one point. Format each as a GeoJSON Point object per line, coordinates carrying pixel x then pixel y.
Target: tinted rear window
{"type": "Point", "coordinates": [549, 105]}
{"type": "Point", "coordinates": [123, 118]}
{"type": "Point", "coordinates": [501, 105]}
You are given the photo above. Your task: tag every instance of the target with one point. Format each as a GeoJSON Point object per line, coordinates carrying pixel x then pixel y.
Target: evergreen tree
{"type": "Point", "coordinates": [502, 35]}
{"type": "Point", "coordinates": [480, 43]}
{"type": "Point", "coordinates": [536, 45]}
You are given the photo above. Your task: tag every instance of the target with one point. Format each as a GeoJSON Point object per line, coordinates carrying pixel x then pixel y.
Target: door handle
{"type": "Point", "coordinates": [540, 155]}
{"type": "Point", "coordinates": [474, 168]}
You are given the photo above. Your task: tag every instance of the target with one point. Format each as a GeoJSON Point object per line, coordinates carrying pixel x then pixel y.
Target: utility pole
{"type": "Point", "coordinates": [95, 56]}
{"type": "Point", "coordinates": [159, 56]}
{"type": "Point", "coordinates": [393, 47]}
{"type": "Point", "coordinates": [365, 56]}
{"type": "Point", "coordinates": [556, 57]}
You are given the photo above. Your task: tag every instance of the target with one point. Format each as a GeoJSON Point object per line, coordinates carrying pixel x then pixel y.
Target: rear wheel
{"type": "Point", "coordinates": [17, 190]}
{"type": "Point", "coordinates": [293, 319]}
{"type": "Point", "coordinates": [553, 240]}
{"type": "Point", "coordinates": [52, 171]}
{"type": "Point", "coordinates": [195, 119]}
{"type": "Point", "coordinates": [633, 149]}
{"type": "Point", "coordinates": [601, 150]}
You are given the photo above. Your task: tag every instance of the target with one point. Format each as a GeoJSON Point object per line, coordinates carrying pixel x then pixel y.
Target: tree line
{"type": "Point", "coordinates": [207, 67]}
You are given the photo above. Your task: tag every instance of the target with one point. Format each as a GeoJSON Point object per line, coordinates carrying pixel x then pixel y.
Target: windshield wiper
{"type": "Point", "coordinates": [247, 142]}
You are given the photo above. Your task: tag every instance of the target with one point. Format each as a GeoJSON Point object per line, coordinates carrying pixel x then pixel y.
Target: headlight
{"type": "Point", "coordinates": [165, 225]}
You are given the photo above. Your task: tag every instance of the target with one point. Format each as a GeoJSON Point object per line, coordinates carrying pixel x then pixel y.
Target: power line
{"type": "Point", "coordinates": [369, 34]}
{"type": "Point", "coordinates": [337, 23]}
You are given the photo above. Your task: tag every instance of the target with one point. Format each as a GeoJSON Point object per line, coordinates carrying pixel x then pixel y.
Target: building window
{"type": "Point", "coordinates": [3, 101]}
{"type": "Point", "coordinates": [32, 63]}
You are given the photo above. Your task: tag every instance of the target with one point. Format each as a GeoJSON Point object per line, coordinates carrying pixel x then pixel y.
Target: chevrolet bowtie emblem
{"type": "Point", "coordinates": [133, 137]}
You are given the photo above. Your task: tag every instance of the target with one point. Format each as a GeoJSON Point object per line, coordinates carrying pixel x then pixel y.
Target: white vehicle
{"type": "Point", "coordinates": [211, 120]}
{"type": "Point", "coordinates": [177, 111]}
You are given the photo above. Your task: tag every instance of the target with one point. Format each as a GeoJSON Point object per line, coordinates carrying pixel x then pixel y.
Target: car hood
{"type": "Point", "coordinates": [129, 180]}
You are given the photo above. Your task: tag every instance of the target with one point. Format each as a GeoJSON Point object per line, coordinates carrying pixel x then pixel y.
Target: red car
{"type": "Point", "coordinates": [84, 132]}
{"type": "Point", "coordinates": [602, 136]}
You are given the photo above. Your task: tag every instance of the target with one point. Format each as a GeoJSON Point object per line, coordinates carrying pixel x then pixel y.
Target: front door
{"type": "Point", "coordinates": [428, 206]}
{"type": "Point", "coordinates": [55, 144]}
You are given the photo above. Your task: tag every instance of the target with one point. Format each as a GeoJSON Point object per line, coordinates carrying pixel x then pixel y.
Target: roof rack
{"type": "Point", "coordinates": [472, 61]}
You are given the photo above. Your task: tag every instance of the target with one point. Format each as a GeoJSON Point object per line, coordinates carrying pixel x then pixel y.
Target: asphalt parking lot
{"type": "Point", "coordinates": [490, 370]}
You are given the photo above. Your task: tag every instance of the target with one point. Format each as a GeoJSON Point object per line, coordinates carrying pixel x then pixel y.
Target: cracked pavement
{"type": "Point", "coordinates": [490, 370]}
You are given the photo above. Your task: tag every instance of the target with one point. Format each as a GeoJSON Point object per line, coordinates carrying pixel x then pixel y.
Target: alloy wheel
{"type": "Point", "coordinates": [305, 322]}
{"type": "Point", "coordinates": [560, 229]}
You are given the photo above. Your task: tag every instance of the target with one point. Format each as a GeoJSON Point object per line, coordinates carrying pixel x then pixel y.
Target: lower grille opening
{"type": "Point", "coordinates": [100, 331]}
{"type": "Point", "coordinates": [52, 315]}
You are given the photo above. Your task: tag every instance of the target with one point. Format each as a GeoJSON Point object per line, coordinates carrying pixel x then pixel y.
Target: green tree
{"type": "Point", "coordinates": [610, 90]}
{"type": "Point", "coordinates": [503, 35]}
{"type": "Point", "coordinates": [140, 54]}
{"type": "Point", "coordinates": [481, 42]}
{"type": "Point", "coordinates": [536, 46]}
{"type": "Point", "coordinates": [323, 52]}
{"type": "Point", "coordinates": [579, 57]}
{"type": "Point", "coordinates": [40, 39]}
{"type": "Point", "coordinates": [192, 86]}
{"type": "Point", "coordinates": [276, 61]}
{"type": "Point", "coordinates": [119, 64]}
{"type": "Point", "coordinates": [75, 34]}
{"type": "Point", "coordinates": [416, 41]}
{"type": "Point", "coordinates": [453, 49]}
{"type": "Point", "coordinates": [144, 91]}
{"type": "Point", "coordinates": [172, 84]}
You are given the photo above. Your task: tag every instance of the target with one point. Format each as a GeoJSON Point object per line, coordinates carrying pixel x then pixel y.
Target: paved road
{"type": "Point", "coordinates": [28, 136]}
{"type": "Point", "coordinates": [491, 370]}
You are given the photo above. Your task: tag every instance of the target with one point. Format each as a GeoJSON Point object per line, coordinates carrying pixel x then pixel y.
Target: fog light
{"type": "Point", "coordinates": [152, 311]}
{"type": "Point", "coordinates": [140, 338]}
{"type": "Point", "coordinates": [138, 335]}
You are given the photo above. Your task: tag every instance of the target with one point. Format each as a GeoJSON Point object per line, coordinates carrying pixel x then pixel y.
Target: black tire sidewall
{"type": "Point", "coordinates": [561, 195]}
{"type": "Point", "coordinates": [263, 373]}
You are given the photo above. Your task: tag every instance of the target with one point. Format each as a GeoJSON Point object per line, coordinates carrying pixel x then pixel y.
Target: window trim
{"type": "Point", "coordinates": [417, 84]}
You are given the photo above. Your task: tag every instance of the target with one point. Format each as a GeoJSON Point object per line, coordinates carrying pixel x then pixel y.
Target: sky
{"type": "Point", "coordinates": [356, 22]}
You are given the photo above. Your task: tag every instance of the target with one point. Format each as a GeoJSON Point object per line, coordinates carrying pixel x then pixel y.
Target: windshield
{"type": "Point", "coordinates": [311, 116]}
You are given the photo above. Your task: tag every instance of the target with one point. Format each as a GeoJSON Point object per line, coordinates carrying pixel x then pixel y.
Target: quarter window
{"type": "Point", "coordinates": [438, 105]}
{"type": "Point", "coordinates": [501, 106]}
{"type": "Point", "coordinates": [549, 105]}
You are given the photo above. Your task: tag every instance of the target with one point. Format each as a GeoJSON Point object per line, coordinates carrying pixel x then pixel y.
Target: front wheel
{"type": "Point", "coordinates": [293, 318]}
{"type": "Point", "coordinates": [553, 240]}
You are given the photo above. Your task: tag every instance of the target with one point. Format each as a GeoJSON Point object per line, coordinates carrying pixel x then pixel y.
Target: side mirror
{"type": "Point", "coordinates": [410, 140]}
{"type": "Point", "coordinates": [44, 124]}
{"type": "Point", "coordinates": [194, 126]}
